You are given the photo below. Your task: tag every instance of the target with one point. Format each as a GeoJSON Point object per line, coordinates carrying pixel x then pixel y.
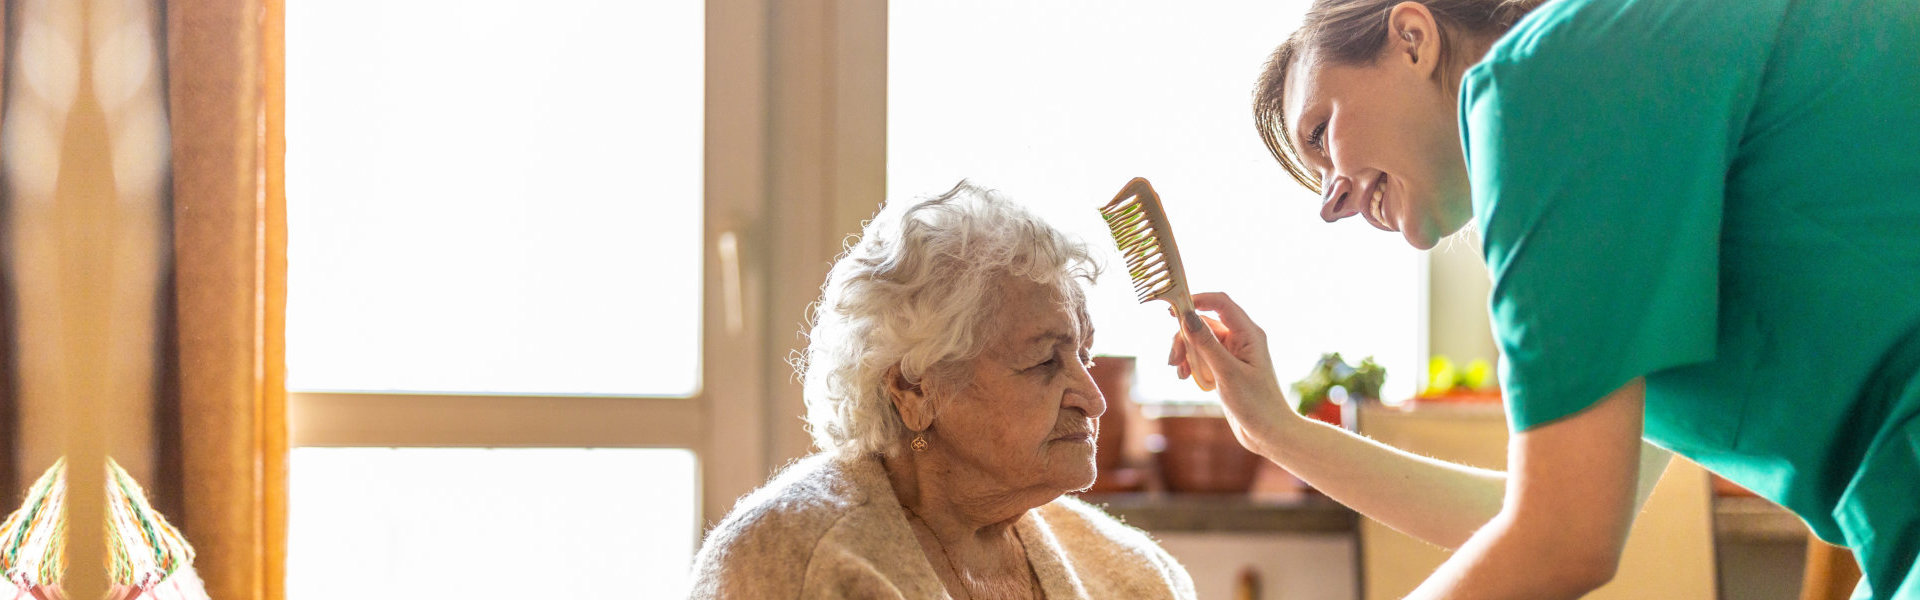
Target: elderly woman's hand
{"type": "Point", "coordinates": [1235, 350]}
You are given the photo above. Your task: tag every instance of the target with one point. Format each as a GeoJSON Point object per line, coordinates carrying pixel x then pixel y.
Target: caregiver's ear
{"type": "Point", "coordinates": [1413, 36]}
{"type": "Point", "coordinates": [909, 399]}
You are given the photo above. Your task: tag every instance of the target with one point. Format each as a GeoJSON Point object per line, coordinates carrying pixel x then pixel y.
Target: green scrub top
{"type": "Point", "coordinates": [1722, 197]}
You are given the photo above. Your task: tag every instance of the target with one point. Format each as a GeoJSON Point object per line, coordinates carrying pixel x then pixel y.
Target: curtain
{"type": "Point", "coordinates": [9, 482]}
{"type": "Point", "coordinates": [224, 414]}
{"type": "Point", "coordinates": [84, 153]}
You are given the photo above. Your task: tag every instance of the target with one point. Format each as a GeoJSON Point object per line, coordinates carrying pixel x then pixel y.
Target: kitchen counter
{"type": "Point", "coordinates": [1756, 520]}
{"type": "Point", "coordinates": [1299, 513]}
{"type": "Point", "coordinates": [1736, 519]}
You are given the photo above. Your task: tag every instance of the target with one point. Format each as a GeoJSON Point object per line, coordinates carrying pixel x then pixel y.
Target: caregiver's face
{"type": "Point", "coordinates": [1385, 141]}
{"type": "Point", "coordinates": [1031, 413]}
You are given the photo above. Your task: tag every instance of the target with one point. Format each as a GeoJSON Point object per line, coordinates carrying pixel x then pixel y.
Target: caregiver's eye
{"type": "Point", "coordinates": [1317, 139]}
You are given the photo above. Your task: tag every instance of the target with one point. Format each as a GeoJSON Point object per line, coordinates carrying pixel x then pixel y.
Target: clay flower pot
{"type": "Point", "coordinates": [1201, 455]}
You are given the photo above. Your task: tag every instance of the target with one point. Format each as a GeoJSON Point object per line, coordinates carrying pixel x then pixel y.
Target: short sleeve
{"type": "Point", "coordinates": [1598, 178]}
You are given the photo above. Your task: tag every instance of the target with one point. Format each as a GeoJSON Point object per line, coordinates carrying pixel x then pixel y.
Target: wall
{"type": "Point", "coordinates": [1458, 285]}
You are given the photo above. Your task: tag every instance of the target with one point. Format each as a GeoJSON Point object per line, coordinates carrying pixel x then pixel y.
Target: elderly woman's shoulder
{"type": "Point", "coordinates": [771, 533]}
{"type": "Point", "coordinates": [1084, 528]}
{"type": "Point", "coordinates": [802, 501]}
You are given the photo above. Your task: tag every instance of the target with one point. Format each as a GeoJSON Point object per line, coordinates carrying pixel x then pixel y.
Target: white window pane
{"type": "Point", "coordinates": [490, 524]}
{"type": "Point", "coordinates": [494, 196]}
{"type": "Point", "coordinates": [1060, 103]}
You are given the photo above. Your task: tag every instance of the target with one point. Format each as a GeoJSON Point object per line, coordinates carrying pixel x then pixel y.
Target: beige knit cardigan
{"type": "Point", "coordinates": [831, 527]}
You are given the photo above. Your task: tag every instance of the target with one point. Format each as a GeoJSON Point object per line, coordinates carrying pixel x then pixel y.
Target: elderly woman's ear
{"type": "Point", "coordinates": [910, 400]}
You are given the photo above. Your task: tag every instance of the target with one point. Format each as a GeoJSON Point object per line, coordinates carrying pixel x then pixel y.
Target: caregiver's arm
{"type": "Point", "coordinates": [1570, 502]}
{"type": "Point", "coordinates": [1438, 501]}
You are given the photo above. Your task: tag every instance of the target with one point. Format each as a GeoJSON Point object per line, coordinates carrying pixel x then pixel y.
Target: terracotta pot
{"type": "Point", "coordinates": [1327, 412]}
{"type": "Point", "coordinates": [1114, 376]}
{"type": "Point", "coordinates": [1202, 456]}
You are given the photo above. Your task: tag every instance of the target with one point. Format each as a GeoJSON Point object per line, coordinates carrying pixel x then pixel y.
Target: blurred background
{"type": "Point", "coordinates": [494, 299]}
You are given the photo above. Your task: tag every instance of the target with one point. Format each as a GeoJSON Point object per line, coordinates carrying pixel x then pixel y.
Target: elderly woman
{"type": "Point", "coordinates": [947, 387]}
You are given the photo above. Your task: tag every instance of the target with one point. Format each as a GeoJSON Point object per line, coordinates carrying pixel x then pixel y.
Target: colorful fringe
{"type": "Point", "coordinates": [144, 548]}
{"type": "Point", "coordinates": [35, 537]}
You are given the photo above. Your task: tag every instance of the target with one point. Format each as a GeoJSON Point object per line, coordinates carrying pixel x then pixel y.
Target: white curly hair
{"type": "Point", "coordinates": [916, 291]}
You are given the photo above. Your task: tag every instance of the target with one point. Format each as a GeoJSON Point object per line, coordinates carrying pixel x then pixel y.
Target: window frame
{"type": "Point", "coordinates": [795, 102]}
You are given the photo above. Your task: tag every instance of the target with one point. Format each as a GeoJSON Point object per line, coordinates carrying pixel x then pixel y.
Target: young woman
{"type": "Point", "coordinates": [1703, 224]}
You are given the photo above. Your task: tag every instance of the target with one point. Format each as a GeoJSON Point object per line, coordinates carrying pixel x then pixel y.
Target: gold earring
{"type": "Point", "coordinates": [919, 443]}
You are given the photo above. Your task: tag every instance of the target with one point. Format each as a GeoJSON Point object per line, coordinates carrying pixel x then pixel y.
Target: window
{"type": "Point", "coordinates": [496, 293]}
{"type": "Point", "coordinates": [499, 198]}
{"type": "Point", "coordinates": [569, 244]}
{"type": "Point", "coordinates": [490, 522]}
{"type": "Point", "coordinates": [1060, 103]}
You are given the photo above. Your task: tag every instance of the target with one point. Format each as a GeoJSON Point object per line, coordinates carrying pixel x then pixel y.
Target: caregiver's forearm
{"type": "Point", "coordinates": [1504, 561]}
{"type": "Point", "coordinates": [1434, 500]}
{"type": "Point", "coordinates": [1570, 503]}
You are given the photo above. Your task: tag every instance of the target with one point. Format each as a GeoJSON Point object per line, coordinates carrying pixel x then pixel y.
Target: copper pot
{"type": "Point", "coordinates": [1202, 456]}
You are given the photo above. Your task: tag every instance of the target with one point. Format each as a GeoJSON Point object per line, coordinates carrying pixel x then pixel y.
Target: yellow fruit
{"type": "Point", "coordinates": [1479, 374]}
{"type": "Point", "coordinates": [1440, 376]}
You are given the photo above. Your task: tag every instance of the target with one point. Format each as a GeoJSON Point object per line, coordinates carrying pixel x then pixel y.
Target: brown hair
{"type": "Point", "coordinates": [1352, 32]}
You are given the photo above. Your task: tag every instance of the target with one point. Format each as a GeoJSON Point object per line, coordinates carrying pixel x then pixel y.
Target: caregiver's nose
{"type": "Point", "coordinates": [1334, 205]}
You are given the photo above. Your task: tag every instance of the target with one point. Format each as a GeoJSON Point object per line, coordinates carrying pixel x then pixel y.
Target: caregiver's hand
{"type": "Point", "coordinates": [1235, 350]}
{"type": "Point", "coordinates": [1437, 501]}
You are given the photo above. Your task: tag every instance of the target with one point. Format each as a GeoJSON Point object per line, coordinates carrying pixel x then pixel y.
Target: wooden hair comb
{"type": "Point", "coordinates": [1145, 238]}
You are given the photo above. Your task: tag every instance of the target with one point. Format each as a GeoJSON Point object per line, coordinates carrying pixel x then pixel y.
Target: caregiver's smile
{"type": "Point", "coordinates": [1373, 201]}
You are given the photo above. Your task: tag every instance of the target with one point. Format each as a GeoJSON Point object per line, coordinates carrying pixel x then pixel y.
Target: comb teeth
{"type": "Point", "coordinates": [1145, 239]}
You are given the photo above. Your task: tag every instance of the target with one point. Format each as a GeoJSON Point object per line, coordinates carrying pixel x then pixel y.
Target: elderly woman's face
{"type": "Point", "coordinates": [1031, 414]}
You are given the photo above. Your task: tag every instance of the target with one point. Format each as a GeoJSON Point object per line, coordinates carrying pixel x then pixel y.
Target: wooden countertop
{"type": "Point", "coordinates": [1736, 519]}
{"type": "Point", "coordinates": [1305, 513]}
{"type": "Point", "coordinates": [1755, 520]}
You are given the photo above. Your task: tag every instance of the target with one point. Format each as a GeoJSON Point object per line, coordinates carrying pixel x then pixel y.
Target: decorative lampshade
{"type": "Point", "coordinates": [149, 560]}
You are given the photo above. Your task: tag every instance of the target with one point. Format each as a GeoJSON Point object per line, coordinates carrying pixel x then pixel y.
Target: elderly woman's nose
{"type": "Point", "coordinates": [1338, 202]}
{"type": "Point", "coordinates": [1086, 396]}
